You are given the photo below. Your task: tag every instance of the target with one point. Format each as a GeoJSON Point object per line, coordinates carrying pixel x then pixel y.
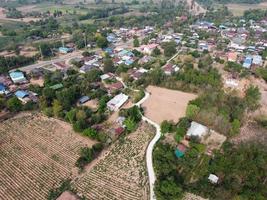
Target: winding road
{"type": "Point", "coordinates": [149, 150]}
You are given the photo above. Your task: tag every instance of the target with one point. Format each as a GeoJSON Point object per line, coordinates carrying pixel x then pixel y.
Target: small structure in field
{"type": "Point", "coordinates": [213, 178]}
{"type": "Point", "coordinates": [115, 103]}
{"type": "Point", "coordinates": [197, 130]}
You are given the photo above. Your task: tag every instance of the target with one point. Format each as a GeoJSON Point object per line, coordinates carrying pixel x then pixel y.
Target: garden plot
{"type": "Point", "coordinates": [36, 154]}
{"type": "Point", "coordinates": [121, 173]}
{"type": "Point", "coordinates": [164, 104]}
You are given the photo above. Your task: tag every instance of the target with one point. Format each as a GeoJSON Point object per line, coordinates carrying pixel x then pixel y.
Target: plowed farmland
{"type": "Point", "coordinates": [36, 154]}
{"type": "Point", "coordinates": [121, 173]}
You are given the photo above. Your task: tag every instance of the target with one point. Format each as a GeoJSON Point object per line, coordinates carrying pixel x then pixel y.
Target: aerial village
{"type": "Point", "coordinates": [109, 87]}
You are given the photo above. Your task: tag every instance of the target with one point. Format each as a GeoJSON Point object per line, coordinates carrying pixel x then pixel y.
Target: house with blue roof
{"type": "Point", "coordinates": [248, 62]}
{"type": "Point", "coordinates": [23, 96]}
{"type": "Point", "coordinates": [84, 99]}
{"type": "Point", "coordinates": [111, 38]}
{"type": "Point", "coordinates": [65, 50]}
{"type": "Point", "coordinates": [2, 88]}
{"type": "Point", "coordinates": [20, 94]}
{"type": "Point", "coordinates": [123, 52]}
{"type": "Point", "coordinates": [17, 77]}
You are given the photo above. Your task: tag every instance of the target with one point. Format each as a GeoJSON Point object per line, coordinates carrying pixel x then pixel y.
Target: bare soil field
{"type": "Point", "coordinates": [239, 9]}
{"type": "Point", "coordinates": [165, 104]}
{"type": "Point", "coordinates": [251, 132]}
{"type": "Point", "coordinates": [36, 154]}
{"type": "Point", "coordinates": [121, 172]}
{"type": "Point", "coordinates": [39, 82]}
{"type": "Point", "coordinates": [26, 19]}
{"type": "Point", "coordinates": [190, 196]}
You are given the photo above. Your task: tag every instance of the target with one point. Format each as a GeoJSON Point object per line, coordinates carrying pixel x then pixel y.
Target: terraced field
{"type": "Point", "coordinates": [36, 154]}
{"type": "Point", "coordinates": [121, 173]}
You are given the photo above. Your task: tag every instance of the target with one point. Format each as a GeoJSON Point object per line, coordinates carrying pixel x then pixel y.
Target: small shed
{"type": "Point", "coordinates": [56, 86]}
{"type": "Point", "coordinates": [213, 178]}
{"type": "Point", "coordinates": [197, 130]}
{"type": "Point", "coordinates": [180, 150]}
{"type": "Point", "coordinates": [84, 99]}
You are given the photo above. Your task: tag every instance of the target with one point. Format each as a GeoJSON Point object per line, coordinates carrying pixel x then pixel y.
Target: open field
{"type": "Point", "coordinates": [165, 104]}
{"type": "Point", "coordinates": [26, 19]}
{"type": "Point", "coordinates": [121, 173]}
{"type": "Point", "coordinates": [239, 9]}
{"type": "Point", "coordinates": [36, 154]}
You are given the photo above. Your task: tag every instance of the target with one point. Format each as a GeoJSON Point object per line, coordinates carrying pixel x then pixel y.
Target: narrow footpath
{"type": "Point", "coordinates": [149, 150]}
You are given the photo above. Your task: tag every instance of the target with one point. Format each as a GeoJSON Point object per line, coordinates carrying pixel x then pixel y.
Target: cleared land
{"type": "Point", "coordinates": [239, 9]}
{"type": "Point", "coordinates": [165, 104]}
{"type": "Point", "coordinates": [36, 154]}
{"type": "Point", "coordinates": [121, 173]}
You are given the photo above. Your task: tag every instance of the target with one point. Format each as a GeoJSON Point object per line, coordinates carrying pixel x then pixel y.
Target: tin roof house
{"type": "Point", "coordinates": [17, 77]}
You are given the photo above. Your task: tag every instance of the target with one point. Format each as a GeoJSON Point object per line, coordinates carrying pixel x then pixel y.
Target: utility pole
{"type": "Point", "coordinates": [41, 52]}
{"type": "Point", "coordinates": [85, 42]}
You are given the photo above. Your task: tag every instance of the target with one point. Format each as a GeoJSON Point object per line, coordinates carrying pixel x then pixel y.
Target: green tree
{"type": "Point", "coordinates": [166, 127]}
{"type": "Point", "coordinates": [80, 115]}
{"type": "Point", "coordinates": [235, 129]}
{"type": "Point", "coordinates": [130, 124]}
{"type": "Point", "coordinates": [57, 108]}
{"type": "Point", "coordinates": [156, 52]}
{"type": "Point", "coordinates": [192, 110]}
{"type": "Point", "coordinates": [136, 42]}
{"type": "Point", "coordinates": [169, 49]}
{"type": "Point", "coordinates": [14, 104]}
{"type": "Point", "coordinates": [168, 189]}
{"type": "Point", "coordinates": [89, 132]}
{"type": "Point", "coordinates": [71, 115]}
{"type": "Point", "coordinates": [108, 65]}
{"type": "Point", "coordinates": [101, 42]}
{"type": "Point", "coordinates": [252, 97]}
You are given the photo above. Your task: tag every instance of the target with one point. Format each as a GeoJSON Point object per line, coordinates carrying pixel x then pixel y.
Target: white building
{"type": "Point", "coordinates": [197, 130]}
{"type": "Point", "coordinates": [213, 178]}
{"type": "Point", "coordinates": [117, 101]}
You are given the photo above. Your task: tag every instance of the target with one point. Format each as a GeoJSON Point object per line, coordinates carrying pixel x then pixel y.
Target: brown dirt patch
{"type": "Point", "coordinates": [190, 196]}
{"type": "Point", "coordinates": [67, 196]}
{"type": "Point", "coordinates": [36, 154]}
{"type": "Point", "coordinates": [121, 172]}
{"type": "Point", "coordinates": [165, 104]}
{"type": "Point", "coordinates": [93, 104]}
{"type": "Point", "coordinates": [214, 141]}
{"type": "Point", "coordinates": [251, 132]}
{"type": "Point", "coordinates": [239, 9]}
{"type": "Point", "coordinates": [39, 82]}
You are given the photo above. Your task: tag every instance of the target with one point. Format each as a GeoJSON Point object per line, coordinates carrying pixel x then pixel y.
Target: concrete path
{"type": "Point", "coordinates": [149, 158]}
{"type": "Point", "coordinates": [149, 150]}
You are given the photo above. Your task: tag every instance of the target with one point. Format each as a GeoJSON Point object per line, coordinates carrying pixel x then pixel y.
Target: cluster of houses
{"type": "Point", "coordinates": [16, 83]}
